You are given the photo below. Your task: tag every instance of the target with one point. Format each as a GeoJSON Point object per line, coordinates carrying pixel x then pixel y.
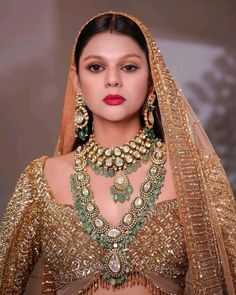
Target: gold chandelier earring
{"type": "Point", "coordinates": [148, 114]}
{"type": "Point", "coordinates": [81, 118]}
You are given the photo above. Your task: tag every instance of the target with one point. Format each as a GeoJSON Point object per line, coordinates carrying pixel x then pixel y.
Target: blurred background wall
{"type": "Point", "coordinates": [197, 39]}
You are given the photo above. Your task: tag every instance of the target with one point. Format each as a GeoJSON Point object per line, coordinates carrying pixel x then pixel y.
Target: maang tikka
{"type": "Point", "coordinates": [81, 118]}
{"type": "Point", "coordinates": [148, 113]}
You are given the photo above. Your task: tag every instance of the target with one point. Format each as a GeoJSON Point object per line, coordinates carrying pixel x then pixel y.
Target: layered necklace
{"type": "Point", "coordinates": [115, 239]}
{"type": "Point", "coordinates": [118, 162]}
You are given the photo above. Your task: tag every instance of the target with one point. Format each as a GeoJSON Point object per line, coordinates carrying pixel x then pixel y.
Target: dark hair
{"type": "Point", "coordinates": [109, 23]}
{"type": "Point", "coordinates": [122, 25]}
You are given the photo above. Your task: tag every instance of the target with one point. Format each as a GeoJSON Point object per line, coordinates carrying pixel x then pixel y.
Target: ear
{"type": "Point", "coordinates": [75, 79]}
{"type": "Point", "coordinates": [150, 86]}
{"type": "Point", "coordinates": [150, 89]}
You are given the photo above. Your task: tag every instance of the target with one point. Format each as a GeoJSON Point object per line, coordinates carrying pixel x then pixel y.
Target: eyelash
{"type": "Point", "coordinates": [128, 68]}
{"type": "Point", "coordinates": [134, 68]}
{"type": "Point", "coordinates": [91, 68]}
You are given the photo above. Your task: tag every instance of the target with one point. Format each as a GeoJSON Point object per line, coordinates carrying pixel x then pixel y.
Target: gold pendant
{"type": "Point", "coordinates": [121, 189]}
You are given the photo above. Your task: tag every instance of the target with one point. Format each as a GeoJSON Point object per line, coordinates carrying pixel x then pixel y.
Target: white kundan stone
{"type": "Point", "coordinates": [99, 223]}
{"type": "Point", "coordinates": [119, 161]}
{"type": "Point", "coordinates": [138, 202]}
{"type": "Point", "coordinates": [80, 176]}
{"type": "Point", "coordinates": [79, 118]}
{"type": "Point", "coordinates": [153, 170]}
{"type": "Point", "coordinates": [120, 179]}
{"type": "Point", "coordinates": [85, 191]}
{"type": "Point", "coordinates": [128, 218]}
{"type": "Point", "coordinates": [109, 162]}
{"type": "Point", "coordinates": [90, 207]}
{"type": "Point", "coordinates": [147, 186]}
{"type": "Point", "coordinates": [117, 151]}
{"type": "Point", "coordinates": [114, 263]}
{"type": "Point", "coordinates": [113, 233]}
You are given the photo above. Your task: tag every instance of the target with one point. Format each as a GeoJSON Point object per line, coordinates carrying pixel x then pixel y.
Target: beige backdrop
{"type": "Point", "coordinates": [197, 39]}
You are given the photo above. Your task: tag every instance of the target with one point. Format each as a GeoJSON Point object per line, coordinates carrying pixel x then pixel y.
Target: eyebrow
{"type": "Point", "coordinates": [102, 58]}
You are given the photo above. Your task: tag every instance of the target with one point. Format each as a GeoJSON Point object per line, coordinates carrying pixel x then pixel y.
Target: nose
{"type": "Point", "coordinates": [113, 79]}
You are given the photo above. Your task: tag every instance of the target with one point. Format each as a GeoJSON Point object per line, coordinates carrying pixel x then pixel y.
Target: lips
{"type": "Point", "coordinates": [114, 99]}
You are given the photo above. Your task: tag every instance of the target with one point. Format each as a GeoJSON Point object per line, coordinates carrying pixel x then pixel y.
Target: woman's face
{"type": "Point", "coordinates": [113, 64]}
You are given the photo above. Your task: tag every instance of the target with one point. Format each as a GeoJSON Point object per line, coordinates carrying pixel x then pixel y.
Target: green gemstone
{"type": "Point", "coordinates": [81, 134]}
{"type": "Point", "coordinates": [145, 158]}
{"type": "Point", "coordinates": [83, 218]}
{"type": "Point", "coordinates": [120, 280]}
{"type": "Point", "coordinates": [96, 170]}
{"type": "Point", "coordinates": [111, 172]}
{"type": "Point", "coordinates": [86, 129]}
{"type": "Point", "coordinates": [89, 229]}
{"type": "Point", "coordinates": [77, 203]}
{"type": "Point", "coordinates": [130, 189]}
{"type": "Point", "coordinates": [151, 134]}
{"type": "Point", "coordinates": [102, 242]}
{"type": "Point", "coordinates": [135, 231]}
{"type": "Point", "coordinates": [121, 198]}
{"type": "Point", "coordinates": [129, 169]}
{"type": "Point", "coordinates": [149, 203]}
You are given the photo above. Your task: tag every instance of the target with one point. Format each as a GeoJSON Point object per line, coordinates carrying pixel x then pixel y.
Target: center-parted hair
{"type": "Point", "coordinates": [112, 23]}
{"type": "Point", "coordinates": [115, 24]}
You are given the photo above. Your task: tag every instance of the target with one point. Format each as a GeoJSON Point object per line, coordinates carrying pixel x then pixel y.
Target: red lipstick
{"type": "Point", "coordinates": [113, 99]}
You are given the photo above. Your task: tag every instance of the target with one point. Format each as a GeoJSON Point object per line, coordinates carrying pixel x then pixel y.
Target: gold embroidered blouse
{"type": "Point", "coordinates": [35, 226]}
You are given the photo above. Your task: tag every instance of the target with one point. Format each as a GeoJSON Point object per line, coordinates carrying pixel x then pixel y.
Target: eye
{"type": "Point", "coordinates": [96, 68]}
{"type": "Point", "coordinates": [130, 68]}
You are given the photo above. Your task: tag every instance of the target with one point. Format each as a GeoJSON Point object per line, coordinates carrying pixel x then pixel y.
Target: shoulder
{"type": "Point", "coordinates": [47, 168]}
{"type": "Point", "coordinates": [25, 191]}
{"type": "Point", "coordinates": [56, 165]}
{"type": "Point", "coordinates": [57, 172]}
{"type": "Point", "coordinates": [50, 165]}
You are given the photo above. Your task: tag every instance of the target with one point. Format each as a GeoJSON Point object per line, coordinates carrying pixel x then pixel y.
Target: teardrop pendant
{"type": "Point", "coordinates": [114, 263]}
{"type": "Point", "coordinates": [115, 267]}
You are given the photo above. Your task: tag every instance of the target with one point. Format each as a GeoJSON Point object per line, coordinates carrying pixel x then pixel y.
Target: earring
{"type": "Point", "coordinates": [81, 118]}
{"type": "Point", "coordinates": [148, 111]}
{"type": "Point", "coordinates": [148, 115]}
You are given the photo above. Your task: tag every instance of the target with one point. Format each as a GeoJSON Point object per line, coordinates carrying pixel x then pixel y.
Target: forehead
{"type": "Point", "coordinates": [112, 44]}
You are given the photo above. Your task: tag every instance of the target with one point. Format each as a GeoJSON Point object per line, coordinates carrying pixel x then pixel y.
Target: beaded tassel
{"type": "Point", "coordinates": [134, 279]}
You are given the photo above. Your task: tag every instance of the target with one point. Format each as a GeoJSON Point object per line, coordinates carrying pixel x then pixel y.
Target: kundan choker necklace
{"type": "Point", "coordinates": [115, 263]}
{"type": "Point", "coordinates": [119, 161]}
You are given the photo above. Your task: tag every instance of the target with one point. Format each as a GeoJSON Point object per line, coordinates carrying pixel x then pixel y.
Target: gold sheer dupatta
{"type": "Point", "coordinates": [206, 202]}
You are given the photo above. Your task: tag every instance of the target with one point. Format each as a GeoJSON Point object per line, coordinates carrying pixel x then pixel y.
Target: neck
{"type": "Point", "coordinates": [114, 134]}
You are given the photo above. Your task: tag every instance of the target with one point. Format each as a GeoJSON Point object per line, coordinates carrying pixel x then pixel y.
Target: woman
{"type": "Point", "coordinates": [138, 203]}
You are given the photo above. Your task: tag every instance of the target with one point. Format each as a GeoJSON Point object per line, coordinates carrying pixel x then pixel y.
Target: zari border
{"type": "Point", "coordinates": [200, 237]}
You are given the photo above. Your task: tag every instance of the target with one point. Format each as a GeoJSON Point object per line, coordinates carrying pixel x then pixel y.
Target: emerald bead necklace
{"type": "Point", "coordinates": [115, 264]}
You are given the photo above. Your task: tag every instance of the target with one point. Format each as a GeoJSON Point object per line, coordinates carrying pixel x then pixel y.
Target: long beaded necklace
{"type": "Point", "coordinates": [115, 264]}
{"type": "Point", "coordinates": [118, 162]}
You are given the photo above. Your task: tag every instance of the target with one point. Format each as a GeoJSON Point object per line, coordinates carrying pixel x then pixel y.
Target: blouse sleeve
{"type": "Point", "coordinates": [19, 236]}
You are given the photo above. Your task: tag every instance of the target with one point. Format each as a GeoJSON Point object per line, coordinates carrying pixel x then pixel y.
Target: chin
{"type": "Point", "coordinates": [116, 116]}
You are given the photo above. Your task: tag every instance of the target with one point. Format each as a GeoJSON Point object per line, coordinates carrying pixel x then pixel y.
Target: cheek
{"type": "Point", "coordinates": [140, 87]}
{"type": "Point", "coordinates": [88, 87]}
